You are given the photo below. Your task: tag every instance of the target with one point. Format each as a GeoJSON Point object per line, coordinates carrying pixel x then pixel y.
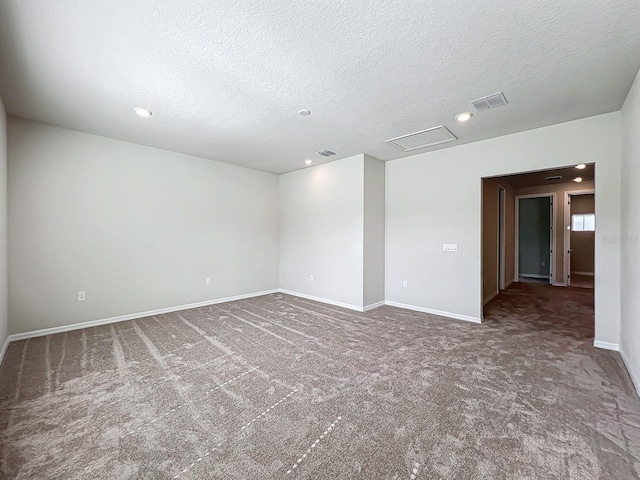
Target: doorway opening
{"type": "Point", "coordinates": [538, 232]}
{"type": "Point", "coordinates": [534, 233]}
{"type": "Point", "coordinates": [580, 229]}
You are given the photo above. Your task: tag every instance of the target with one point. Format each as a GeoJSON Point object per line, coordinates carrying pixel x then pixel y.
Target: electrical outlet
{"type": "Point", "coordinates": [405, 284]}
{"type": "Point", "coordinates": [542, 264]}
{"type": "Point", "coordinates": [208, 281]}
{"type": "Point", "coordinates": [81, 296]}
{"type": "Point", "coordinates": [311, 277]}
{"type": "Point", "coordinates": [449, 247]}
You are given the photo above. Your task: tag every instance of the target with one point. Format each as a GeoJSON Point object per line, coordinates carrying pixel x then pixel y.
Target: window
{"type": "Point", "coordinates": [583, 222]}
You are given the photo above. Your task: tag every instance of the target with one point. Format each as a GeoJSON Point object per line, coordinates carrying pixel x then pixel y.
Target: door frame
{"type": "Point", "coordinates": [502, 237]}
{"type": "Point", "coordinates": [552, 257]}
{"type": "Point", "coordinates": [567, 229]}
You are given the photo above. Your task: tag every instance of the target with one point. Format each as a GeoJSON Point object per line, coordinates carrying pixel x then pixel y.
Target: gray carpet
{"type": "Point", "coordinates": [281, 387]}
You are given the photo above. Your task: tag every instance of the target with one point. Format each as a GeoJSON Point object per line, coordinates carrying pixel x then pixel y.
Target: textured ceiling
{"type": "Point", "coordinates": [225, 79]}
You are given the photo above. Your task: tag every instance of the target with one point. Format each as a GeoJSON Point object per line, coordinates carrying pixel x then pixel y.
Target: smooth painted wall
{"type": "Point", "coordinates": [419, 219]}
{"type": "Point", "coordinates": [136, 228]}
{"type": "Point", "coordinates": [321, 231]}
{"type": "Point", "coordinates": [373, 268]}
{"type": "Point", "coordinates": [4, 309]}
{"type": "Point", "coordinates": [629, 239]}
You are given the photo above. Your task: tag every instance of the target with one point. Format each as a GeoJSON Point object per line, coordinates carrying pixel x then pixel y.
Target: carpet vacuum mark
{"type": "Point", "coordinates": [179, 396]}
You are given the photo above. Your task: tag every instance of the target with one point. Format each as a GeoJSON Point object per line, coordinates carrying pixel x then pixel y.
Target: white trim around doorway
{"type": "Point", "coordinates": [502, 237]}
{"type": "Point", "coordinates": [552, 256]}
{"type": "Point", "coordinates": [567, 228]}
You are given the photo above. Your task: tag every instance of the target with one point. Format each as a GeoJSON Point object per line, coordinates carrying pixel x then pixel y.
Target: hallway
{"type": "Point", "coordinates": [582, 281]}
{"type": "Point", "coordinates": [567, 313]}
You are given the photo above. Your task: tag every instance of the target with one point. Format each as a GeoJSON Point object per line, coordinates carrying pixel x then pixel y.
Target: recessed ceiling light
{"type": "Point", "coordinates": [308, 162]}
{"type": "Point", "coordinates": [464, 116]}
{"type": "Point", "coordinates": [142, 112]}
{"type": "Point", "coordinates": [577, 179]}
{"type": "Point", "coordinates": [304, 112]}
{"type": "Point", "coordinates": [581, 166]}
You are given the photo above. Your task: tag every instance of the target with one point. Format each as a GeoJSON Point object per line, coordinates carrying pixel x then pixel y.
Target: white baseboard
{"type": "Point", "coordinates": [509, 283]}
{"type": "Point", "coordinates": [586, 274]}
{"type": "Point", "coordinates": [635, 376]}
{"type": "Point", "coordinates": [606, 345]}
{"type": "Point", "coordinates": [491, 297]}
{"type": "Point", "coordinates": [372, 306]}
{"type": "Point", "coordinates": [441, 313]}
{"type": "Point", "coordinates": [379, 304]}
{"type": "Point", "coordinates": [533, 275]}
{"type": "Point", "coordinates": [4, 349]}
{"type": "Point", "coordinates": [131, 316]}
{"type": "Point", "coordinates": [324, 300]}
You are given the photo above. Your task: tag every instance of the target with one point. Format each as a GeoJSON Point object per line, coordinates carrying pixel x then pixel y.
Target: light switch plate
{"type": "Point", "coordinates": [449, 247]}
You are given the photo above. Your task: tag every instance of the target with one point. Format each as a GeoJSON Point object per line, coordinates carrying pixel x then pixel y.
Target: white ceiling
{"type": "Point", "coordinates": [225, 79]}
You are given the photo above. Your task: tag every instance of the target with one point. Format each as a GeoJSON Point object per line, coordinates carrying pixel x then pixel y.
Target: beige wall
{"type": "Point", "coordinates": [4, 322]}
{"type": "Point", "coordinates": [510, 243]}
{"type": "Point", "coordinates": [558, 213]}
{"type": "Point", "coordinates": [582, 243]}
{"type": "Point", "coordinates": [490, 196]}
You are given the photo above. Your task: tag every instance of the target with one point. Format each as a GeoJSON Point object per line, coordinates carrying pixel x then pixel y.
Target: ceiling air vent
{"type": "Point", "coordinates": [423, 139]}
{"type": "Point", "coordinates": [553, 178]}
{"type": "Point", "coordinates": [490, 101]}
{"type": "Point", "coordinates": [326, 153]}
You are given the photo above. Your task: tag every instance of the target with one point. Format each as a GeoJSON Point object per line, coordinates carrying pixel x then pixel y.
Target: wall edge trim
{"type": "Point", "coordinates": [635, 377]}
{"type": "Point", "coordinates": [432, 311]}
{"type": "Point", "coordinates": [322, 300]}
{"type": "Point", "coordinates": [131, 316]}
{"type": "Point", "coordinates": [606, 345]}
{"type": "Point", "coordinates": [4, 348]}
{"type": "Point", "coordinates": [491, 297]}
{"type": "Point", "coordinates": [373, 305]}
